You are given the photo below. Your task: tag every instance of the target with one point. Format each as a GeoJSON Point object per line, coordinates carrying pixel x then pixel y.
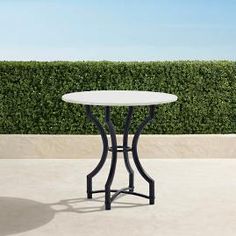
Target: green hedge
{"type": "Point", "coordinates": [31, 95]}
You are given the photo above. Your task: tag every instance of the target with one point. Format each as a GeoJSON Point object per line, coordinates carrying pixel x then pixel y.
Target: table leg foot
{"type": "Point", "coordinates": [107, 206]}
{"type": "Point", "coordinates": [107, 200]}
{"type": "Point", "coordinates": [152, 201]}
{"type": "Point", "coordinates": [89, 187]}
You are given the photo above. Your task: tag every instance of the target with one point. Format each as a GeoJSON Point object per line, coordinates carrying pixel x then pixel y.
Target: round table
{"type": "Point", "coordinates": [109, 98]}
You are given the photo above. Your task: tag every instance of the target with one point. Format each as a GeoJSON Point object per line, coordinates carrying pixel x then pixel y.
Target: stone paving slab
{"type": "Point", "coordinates": [47, 197]}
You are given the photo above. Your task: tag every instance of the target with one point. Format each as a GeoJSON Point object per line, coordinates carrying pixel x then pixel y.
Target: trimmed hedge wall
{"type": "Point", "coordinates": [31, 95]}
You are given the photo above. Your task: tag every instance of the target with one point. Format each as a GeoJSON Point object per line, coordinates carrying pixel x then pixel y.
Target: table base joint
{"type": "Point", "coordinates": [125, 190]}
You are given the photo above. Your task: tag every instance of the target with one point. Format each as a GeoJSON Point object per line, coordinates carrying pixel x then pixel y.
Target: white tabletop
{"type": "Point", "coordinates": [119, 98]}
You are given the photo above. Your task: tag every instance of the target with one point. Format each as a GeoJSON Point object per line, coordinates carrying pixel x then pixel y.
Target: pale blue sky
{"type": "Point", "coordinates": [131, 30]}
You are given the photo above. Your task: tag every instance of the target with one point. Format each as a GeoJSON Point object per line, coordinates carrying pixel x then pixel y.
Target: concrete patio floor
{"type": "Point", "coordinates": [47, 197]}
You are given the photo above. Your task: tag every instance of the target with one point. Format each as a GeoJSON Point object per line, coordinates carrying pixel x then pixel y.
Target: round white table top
{"type": "Point", "coordinates": [119, 98]}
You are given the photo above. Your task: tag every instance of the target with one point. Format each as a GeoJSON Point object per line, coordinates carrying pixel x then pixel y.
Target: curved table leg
{"type": "Point", "coordinates": [125, 150]}
{"type": "Point", "coordinates": [113, 160]}
{"type": "Point", "coordinates": [136, 158]}
{"type": "Point", "coordinates": [104, 153]}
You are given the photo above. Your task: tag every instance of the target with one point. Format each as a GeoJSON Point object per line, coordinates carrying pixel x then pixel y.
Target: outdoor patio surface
{"type": "Point", "coordinates": [48, 197]}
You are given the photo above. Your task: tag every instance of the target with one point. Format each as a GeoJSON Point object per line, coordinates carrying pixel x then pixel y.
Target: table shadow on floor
{"type": "Point", "coordinates": [19, 215]}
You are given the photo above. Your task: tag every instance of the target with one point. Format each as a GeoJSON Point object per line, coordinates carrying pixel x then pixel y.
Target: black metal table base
{"type": "Point", "coordinates": [114, 149]}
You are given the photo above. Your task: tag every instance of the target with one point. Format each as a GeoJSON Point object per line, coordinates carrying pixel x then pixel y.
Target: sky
{"type": "Point", "coordinates": [121, 30]}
